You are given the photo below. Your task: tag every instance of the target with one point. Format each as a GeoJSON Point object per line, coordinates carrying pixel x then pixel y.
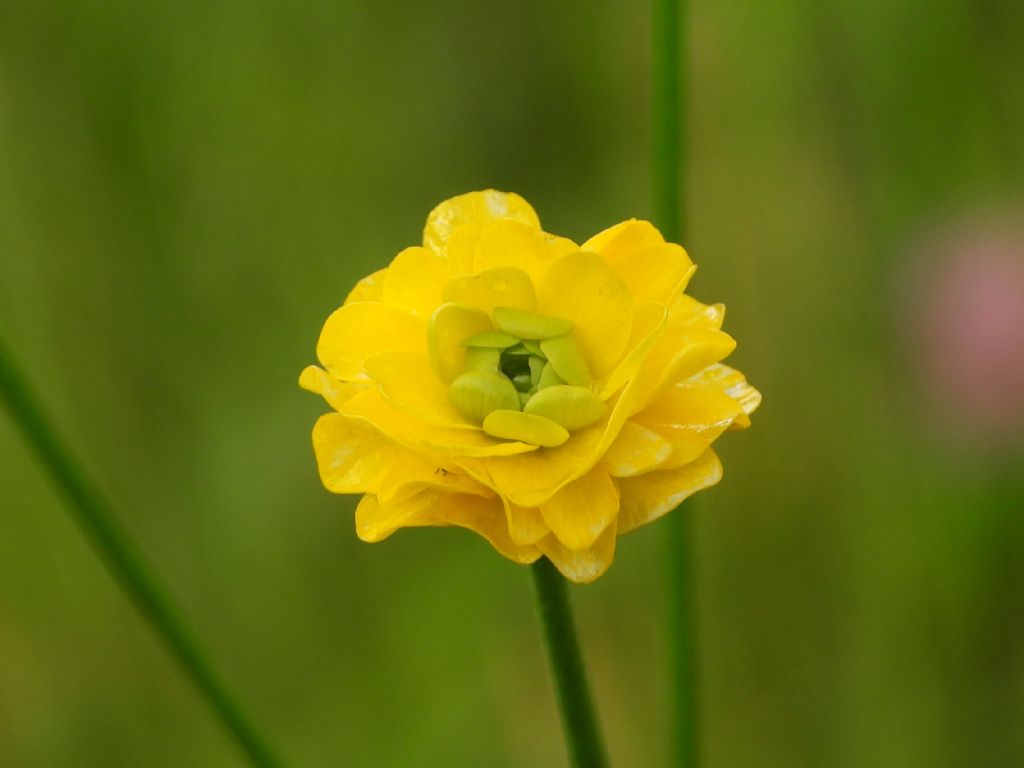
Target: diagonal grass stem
{"type": "Point", "coordinates": [123, 558]}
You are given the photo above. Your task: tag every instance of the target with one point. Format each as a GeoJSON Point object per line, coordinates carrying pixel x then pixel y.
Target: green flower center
{"type": "Point", "coordinates": [527, 380]}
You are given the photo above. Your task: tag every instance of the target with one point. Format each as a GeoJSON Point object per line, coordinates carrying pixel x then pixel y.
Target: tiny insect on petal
{"type": "Point", "coordinates": [477, 393]}
{"type": "Point", "coordinates": [572, 407]}
{"type": "Point", "coordinates": [568, 360]}
{"type": "Point", "coordinates": [530, 325]}
{"type": "Point", "coordinates": [525, 427]}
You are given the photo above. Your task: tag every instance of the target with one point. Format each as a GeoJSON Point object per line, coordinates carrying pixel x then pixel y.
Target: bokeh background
{"type": "Point", "coordinates": [188, 188]}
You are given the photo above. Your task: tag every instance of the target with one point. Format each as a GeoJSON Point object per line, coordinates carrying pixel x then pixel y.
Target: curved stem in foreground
{"type": "Point", "coordinates": [123, 559]}
{"type": "Point", "coordinates": [579, 721]}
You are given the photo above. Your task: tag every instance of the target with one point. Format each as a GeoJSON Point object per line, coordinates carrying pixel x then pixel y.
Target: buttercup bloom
{"type": "Point", "coordinates": [547, 395]}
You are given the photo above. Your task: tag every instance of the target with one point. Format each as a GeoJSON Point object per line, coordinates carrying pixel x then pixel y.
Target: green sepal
{"type": "Point", "coordinates": [533, 347]}
{"type": "Point", "coordinates": [572, 407]}
{"type": "Point", "coordinates": [548, 377]}
{"type": "Point", "coordinates": [477, 393]}
{"type": "Point", "coordinates": [525, 428]}
{"type": "Point", "coordinates": [566, 356]}
{"type": "Point", "coordinates": [491, 339]}
{"type": "Point", "coordinates": [482, 359]}
{"type": "Point", "coordinates": [536, 369]}
{"type": "Point", "coordinates": [530, 325]}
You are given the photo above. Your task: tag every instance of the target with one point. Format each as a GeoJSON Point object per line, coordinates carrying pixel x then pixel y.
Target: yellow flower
{"type": "Point", "coordinates": [547, 395]}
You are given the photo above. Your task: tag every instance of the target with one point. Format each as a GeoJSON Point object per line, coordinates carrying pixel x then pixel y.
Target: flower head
{"type": "Point", "coordinates": [547, 395]}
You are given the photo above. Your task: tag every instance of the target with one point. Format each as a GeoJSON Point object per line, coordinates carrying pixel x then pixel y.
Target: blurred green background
{"type": "Point", "coordinates": [188, 188]}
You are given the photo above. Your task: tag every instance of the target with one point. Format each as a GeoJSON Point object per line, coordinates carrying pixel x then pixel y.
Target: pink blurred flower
{"type": "Point", "coordinates": [971, 328]}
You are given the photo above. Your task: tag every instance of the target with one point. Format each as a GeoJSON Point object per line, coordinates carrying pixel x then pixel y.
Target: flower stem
{"type": "Point", "coordinates": [682, 636]}
{"type": "Point", "coordinates": [668, 121]}
{"type": "Point", "coordinates": [579, 722]}
{"type": "Point", "coordinates": [669, 36]}
{"type": "Point", "coordinates": [122, 558]}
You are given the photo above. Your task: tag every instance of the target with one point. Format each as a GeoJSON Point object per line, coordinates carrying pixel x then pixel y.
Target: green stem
{"type": "Point", "coordinates": [669, 35]}
{"type": "Point", "coordinates": [579, 722]}
{"type": "Point", "coordinates": [681, 631]}
{"type": "Point", "coordinates": [122, 558]}
{"type": "Point", "coordinates": [668, 121]}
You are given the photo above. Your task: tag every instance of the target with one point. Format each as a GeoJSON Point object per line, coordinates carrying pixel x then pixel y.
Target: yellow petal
{"type": "Point", "coordinates": [474, 208]}
{"type": "Point", "coordinates": [411, 473]}
{"type": "Point", "coordinates": [648, 325]}
{"type": "Point", "coordinates": [560, 246]}
{"type": "Point", "coordinates": [531, 479]}
{"type": "Point", "coordinates": [677, 354]}
{"type": "Point", "coordinates": [462, 247]}
{"type": "Point", "coordinates": [376, 521]}
{"type": "Point", "coordinates": [580, 287]}
{"type": "Point", "coordinates": [582, 510]}
{"type": "Point", "coordinates": [683, 352]}
{"type": "Point", "coordinates": [352, 456]}
{"type": "Point", "coordinates": [370, 288]}
{"type": "Point", "coordinates": [526, 525]}
{"type": "Point", "coordinates": [335, 391]}
{"type": "Point", "coordinates": [635, 451]}
{"type": "Point", "coordinates": [406, 379]}
{"type": "Point", "coordinates": [450, 326]}
{"type": "Point", "coordinates": [414, 281]}
{"type": "Point", "coordinates": [484, 516]}
{"type": "Point", "coordinates": [582, 566]}
{"type": "Point", "coordinates": [733, 383]}
{"type": "Point", "coordinates": [513, 244]}
{"type": "Point", "coordinates": [648, 497]}
{"type": "Point", "coordinates": [418, 435]}
{"type": "Point", "coordinates": [687, 311]}
{"type": "Point", "coordinates": [356, 331]}
{"type": "Point", "coordinates": [500, 287]}
{"type": "Point", "coordinates": [624, 239]}
{"type": "Point", "coordinates": [657, 274]}
{"type": "Point", "coordinates": [690, 418]}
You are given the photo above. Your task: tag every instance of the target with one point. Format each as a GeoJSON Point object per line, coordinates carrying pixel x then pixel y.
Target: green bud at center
{"type": "Point", "coordinates": [526, 379]}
